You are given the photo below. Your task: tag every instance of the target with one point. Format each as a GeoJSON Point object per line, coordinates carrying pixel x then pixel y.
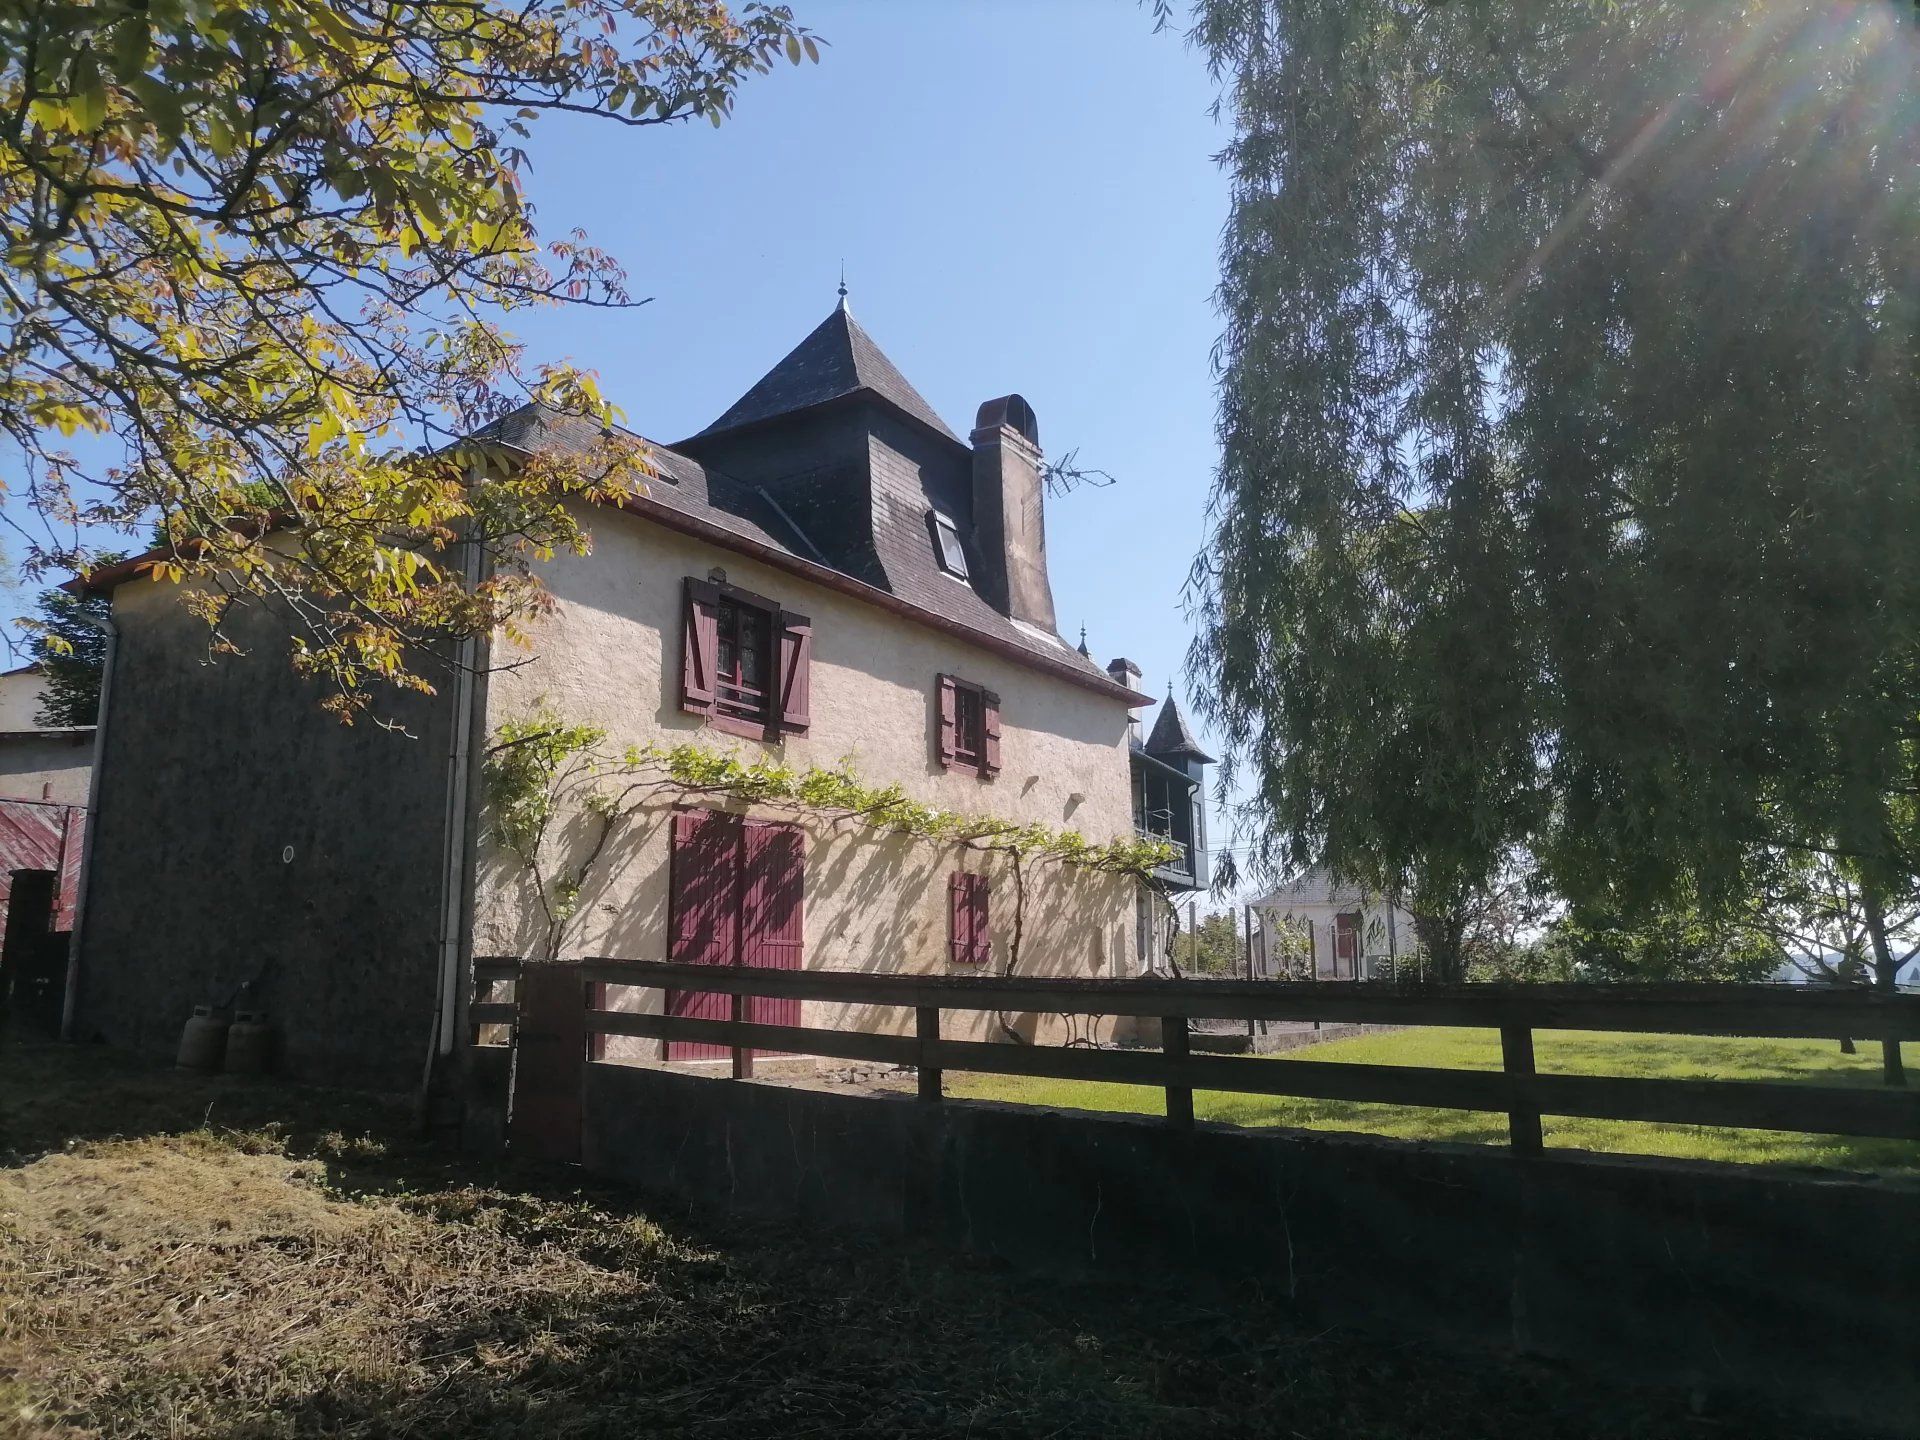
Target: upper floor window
{"type": "Point", "coordinates": [969, 727]}
{"type": "Point", "coordinates": [946, 544]}
{"type": "Point", "coordinates": [745, 663]}
{"type": "Point", "coordinates": [744, 636]}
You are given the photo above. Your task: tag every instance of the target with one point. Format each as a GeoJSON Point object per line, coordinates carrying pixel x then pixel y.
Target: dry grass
{"type": "Point", "coordinates": [184, 1257]}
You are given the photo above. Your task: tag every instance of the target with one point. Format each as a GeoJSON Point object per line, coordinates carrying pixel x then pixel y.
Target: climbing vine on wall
{"type": "Point", "coordinates": [541, 770]}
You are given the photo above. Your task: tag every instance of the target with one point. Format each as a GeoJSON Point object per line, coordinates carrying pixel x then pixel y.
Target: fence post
{"type": "Point", "coordinates": [596, 1001]}
{"type": "Point", "coordinates": [742, 1055]}
{"type": "Point", "coordinates": [926, 1023]}
{"type": "Point", "coordinates": [1173, 1044]}
{"type": "Point", "coordinates": [1523, 1106]}
{"type": "Point", "coordinates": [549, 1062]}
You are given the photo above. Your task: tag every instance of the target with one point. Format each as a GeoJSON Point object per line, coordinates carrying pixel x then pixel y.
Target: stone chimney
{"type": "Point", "coordinates": [1123, 671]}
{"type": "Point", "coordinates": [1009, 527]}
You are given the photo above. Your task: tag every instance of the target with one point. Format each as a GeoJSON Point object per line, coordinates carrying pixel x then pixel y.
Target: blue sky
{"type": "Point", "coordinates": [1025, 198]}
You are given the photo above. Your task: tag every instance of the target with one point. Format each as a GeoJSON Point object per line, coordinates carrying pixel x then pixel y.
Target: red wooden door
{"type": "Point", "coordinates": [737, 893]}
{"type": "Point", "coordinates": [704, 916]}
{"type": "Point", "coordinates": [772, 912]}
{"type": "Point", "coordinates": [1346, 945]}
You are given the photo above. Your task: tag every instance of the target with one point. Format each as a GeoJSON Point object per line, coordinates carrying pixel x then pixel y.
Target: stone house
{"type": "Point", "coordinates": [826, 576]}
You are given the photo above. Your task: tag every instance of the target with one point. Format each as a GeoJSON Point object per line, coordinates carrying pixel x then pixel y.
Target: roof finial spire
{"type": "Point", "coordinates": [1083, 643]}
{"type": "Point", "coordinates": [843, 285]}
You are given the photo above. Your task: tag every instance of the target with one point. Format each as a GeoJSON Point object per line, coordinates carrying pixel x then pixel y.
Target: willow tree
{"type": "Point", "coordinates": [256, 264]}
{"type": "Point", "coordinates": [1570, 425]}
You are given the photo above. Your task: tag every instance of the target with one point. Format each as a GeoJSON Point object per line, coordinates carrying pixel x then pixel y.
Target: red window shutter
{"type": "Point", "coordinates": [959, 919]}
{"type": "Point", "coordinates": [949, 722]}
{"type": "Point", "coordinates": [796, 667]}
{"type": "Point", "coordinates": [979, 931]}
{"type": "Point", "coordinates": [969, 936]}
{"type": "Point", "coordinates": [700, 639]}
{"type": "Point", "coordinates": [989, 733]}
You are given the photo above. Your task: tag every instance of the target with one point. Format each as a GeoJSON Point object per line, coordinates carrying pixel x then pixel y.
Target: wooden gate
{"type": "Point", "coordinates": [736, 897]}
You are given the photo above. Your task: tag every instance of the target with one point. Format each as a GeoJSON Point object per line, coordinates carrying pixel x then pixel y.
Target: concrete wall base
{"type": "Point", "coordinates": [1719, 1278]}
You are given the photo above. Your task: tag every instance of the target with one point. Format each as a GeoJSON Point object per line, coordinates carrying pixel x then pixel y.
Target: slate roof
{"type": "Point", "coordinates": [682, 483]}
{"type": "Point", "coordinates": [837, 359]}
{"type": "Point", "coordinates": [905, 546]}
{"type": "Point", "coordinates": [1170, 735]}
{"type": "Point", "coordinates": [891, 558]}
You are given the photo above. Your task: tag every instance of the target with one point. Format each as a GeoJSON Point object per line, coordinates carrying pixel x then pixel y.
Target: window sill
{"type": "Point", "coordinates": [750, 729]}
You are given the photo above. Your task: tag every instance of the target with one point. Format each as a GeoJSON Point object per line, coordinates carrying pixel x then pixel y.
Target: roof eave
{"type": "Point", "coordinates": [832, 579]}
{"type": "Point", "coordinates": [109, 577]}
{"type": "Point", "coordinates": [1184, 752]}
{"type": "Point", "coordinates": [833, 402]}
{"type": "Point", "coordinates": [1173, 771]}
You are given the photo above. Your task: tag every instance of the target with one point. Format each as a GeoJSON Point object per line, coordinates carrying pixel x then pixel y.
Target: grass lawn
{"type": "Point", "coordinates": [213, 1258]}
{"type": "Point", "coordinates": [1816, 1062]}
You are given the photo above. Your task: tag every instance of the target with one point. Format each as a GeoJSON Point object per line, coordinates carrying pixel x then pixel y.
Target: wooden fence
{"type": "Point", "coordinates": [491, 974]}
{"type": "Point", "coordinates": [1518, 1089]}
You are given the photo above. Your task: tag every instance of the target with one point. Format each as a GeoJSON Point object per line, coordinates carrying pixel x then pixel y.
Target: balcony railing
{"type": "Point", "coordinates": [1182, 861]}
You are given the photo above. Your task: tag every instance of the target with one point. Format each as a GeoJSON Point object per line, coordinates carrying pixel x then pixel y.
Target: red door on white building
{"type": "Point", "coordinates": [1346, 946]}
{"type": "Point", "coordinates": [736, 897]}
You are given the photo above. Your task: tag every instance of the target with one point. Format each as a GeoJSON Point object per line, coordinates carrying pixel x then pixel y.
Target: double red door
{"type": "Point", "coordinates": [736, 897]}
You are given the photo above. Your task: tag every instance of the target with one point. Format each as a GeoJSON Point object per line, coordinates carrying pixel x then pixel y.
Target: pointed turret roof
{"type": "Point", "coordinates": [1171, 736]}
{"type": "Point", "coordinates": [837, 359]}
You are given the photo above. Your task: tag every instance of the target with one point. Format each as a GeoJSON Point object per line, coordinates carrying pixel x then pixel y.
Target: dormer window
{"type": "Point", "coordinates": [947, 548]}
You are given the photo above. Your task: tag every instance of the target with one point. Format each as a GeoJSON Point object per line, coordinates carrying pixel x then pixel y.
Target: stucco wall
{"type": "Point", "coordinates": [53, 765]}
{"type": "Point", "coordinates": [873, 902]}
{"type": "Point", "coordinates": [212, 772]}
{"type": "Point", "coordinates": [20, 692]}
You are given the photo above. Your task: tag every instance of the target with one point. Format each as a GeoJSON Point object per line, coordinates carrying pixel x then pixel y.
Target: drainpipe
{"type": "Point", "coordinates": [458, 779]}
{"type": "Point", "coordinates": [71, 1000]}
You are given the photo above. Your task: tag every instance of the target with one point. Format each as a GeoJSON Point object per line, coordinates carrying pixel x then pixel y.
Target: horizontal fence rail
{"type": "Point", "coordinates": [482, 1010]}
{"type": "Point", "coordinates": [1517, 1089]}
{"type": "Point", "coordinates": [1769, 1011]}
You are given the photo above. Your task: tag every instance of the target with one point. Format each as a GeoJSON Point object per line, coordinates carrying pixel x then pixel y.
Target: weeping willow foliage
{"type": "Point", "coordinates": [1570, 435]}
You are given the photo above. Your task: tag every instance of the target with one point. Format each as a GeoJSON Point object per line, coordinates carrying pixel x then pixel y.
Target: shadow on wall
{"type": "Point", "coordinates": [875, 902]}
{"type": "Point", "coordinates": [621, 909]}
{"type": "Point", "coordinates": [885, 891]}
